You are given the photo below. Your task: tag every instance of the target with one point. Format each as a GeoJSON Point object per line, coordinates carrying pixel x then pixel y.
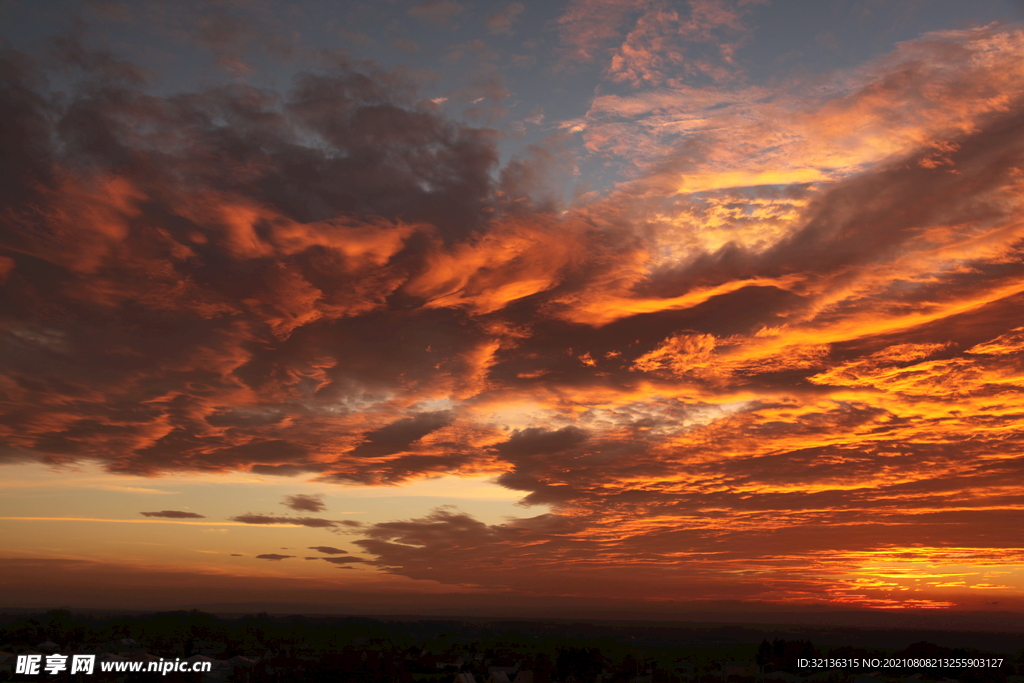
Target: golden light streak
{"type": "Point", "coordinates": [140, 521]}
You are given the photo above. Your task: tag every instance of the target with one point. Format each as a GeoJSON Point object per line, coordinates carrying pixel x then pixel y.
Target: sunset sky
{"type": "Point", "coordinates": [658, 305]}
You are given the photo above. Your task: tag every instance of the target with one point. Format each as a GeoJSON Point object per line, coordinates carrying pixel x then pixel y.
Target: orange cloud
{"type": "Point", "coordinates": [782, 362]}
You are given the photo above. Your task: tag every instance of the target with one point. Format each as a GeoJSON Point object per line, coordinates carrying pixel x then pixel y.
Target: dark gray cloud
{"type": "Point", "coordinates": [274, 557]}
{"type": "Point", "coordinates": [399, 435]}
{"type": "Point", "coordinates": [305, 503]}
{"type": "Point", "coordinates": [539, 441]}
{"type": "Point", "coordinates": [174, 514]}
{"type": "Point", "coordinates": [344, 560]}
{"type": "Point", "coordinates": [340, 560]}
{"type": "Point", "coordinates": [328, 550]}
{"type": "Point", "coordinates": [315, 522]}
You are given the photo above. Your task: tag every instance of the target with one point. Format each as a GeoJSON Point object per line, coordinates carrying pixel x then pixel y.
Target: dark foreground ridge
{"type": "Point", "coordinates": [262, 648]}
